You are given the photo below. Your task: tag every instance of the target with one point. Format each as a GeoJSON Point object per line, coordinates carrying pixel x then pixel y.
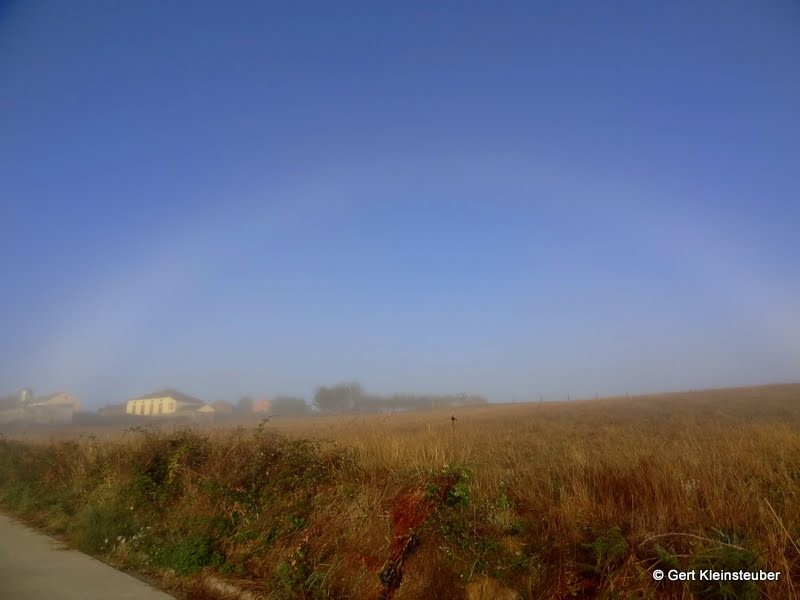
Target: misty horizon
{"type": "Point", "coordinates": [383, 396]}
{"type": "Point", "coordinates": [262, 200]}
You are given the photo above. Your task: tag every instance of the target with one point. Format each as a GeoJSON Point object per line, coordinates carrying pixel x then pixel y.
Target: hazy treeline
{"type": "Point", "coordinates": [289, 406]}
{"type": "Point", "coordinates": [351, 397]}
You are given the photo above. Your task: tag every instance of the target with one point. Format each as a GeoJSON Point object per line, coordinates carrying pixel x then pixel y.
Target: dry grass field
{"type": "Point", "coordinates": [546, 500]}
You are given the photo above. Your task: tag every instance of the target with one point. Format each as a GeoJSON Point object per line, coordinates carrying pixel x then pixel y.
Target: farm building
{"type": "Point", "coordinates": [51, 409]}
{"type": "Point", "coordinates": [262, 405]}
{"type": "Point", "coordinates": [12, 408]}
{"type": "Point", "coordinates": [164, 403]}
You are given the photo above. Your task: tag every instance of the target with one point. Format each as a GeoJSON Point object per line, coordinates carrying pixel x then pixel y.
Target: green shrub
{"type": "Point", "coordinates": [729, 554]}
{"type": "Point", "coordinates": [186, 556]}
{"type": "Point", "coordinates": [453, 482]}
{"type": "Point", "coordinates": [97, 527]}
{"type": "Point", "coordinates": [608, 550]}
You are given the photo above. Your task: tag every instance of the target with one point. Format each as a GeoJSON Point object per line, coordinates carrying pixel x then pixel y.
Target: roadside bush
{"type": "Point", "coordinates": [97, 528]}
{"type": "Point", "coordinates": [186, 556]}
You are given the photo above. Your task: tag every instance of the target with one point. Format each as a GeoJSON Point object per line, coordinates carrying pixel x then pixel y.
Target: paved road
{"type": "Point", "coordinates": [36, 567]}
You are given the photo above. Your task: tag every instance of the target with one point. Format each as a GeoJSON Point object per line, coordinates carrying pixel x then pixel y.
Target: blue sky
{"type": "Point", "coordinates": [507, 198]}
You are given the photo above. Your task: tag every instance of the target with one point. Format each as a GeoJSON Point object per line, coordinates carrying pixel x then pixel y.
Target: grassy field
{"type": "Point", "coordinates": [547, 500]}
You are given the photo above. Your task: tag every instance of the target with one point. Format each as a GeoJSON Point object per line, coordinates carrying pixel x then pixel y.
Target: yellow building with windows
{"type": "Point", "coordinates": [164, 402]}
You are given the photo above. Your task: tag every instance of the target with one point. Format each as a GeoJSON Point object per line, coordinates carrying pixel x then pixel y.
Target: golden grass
{"type": "Point", "coordinates": [582, 499]}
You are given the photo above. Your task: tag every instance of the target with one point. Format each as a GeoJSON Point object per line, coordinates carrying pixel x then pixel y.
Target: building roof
{"type": "Point", "coordinates": [57, 398]}
{"type": "Point", "coordinates": [169, 393]}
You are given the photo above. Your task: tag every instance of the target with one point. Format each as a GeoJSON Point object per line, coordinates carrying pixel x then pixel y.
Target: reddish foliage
{"type": "Point", "coordinates": [410, 510]}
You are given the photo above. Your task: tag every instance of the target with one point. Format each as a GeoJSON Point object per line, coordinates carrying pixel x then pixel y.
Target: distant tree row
{"type": "Point", "coordinates": [288, 406]}
{"type": "Point", "coordinates": [350, 397]}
